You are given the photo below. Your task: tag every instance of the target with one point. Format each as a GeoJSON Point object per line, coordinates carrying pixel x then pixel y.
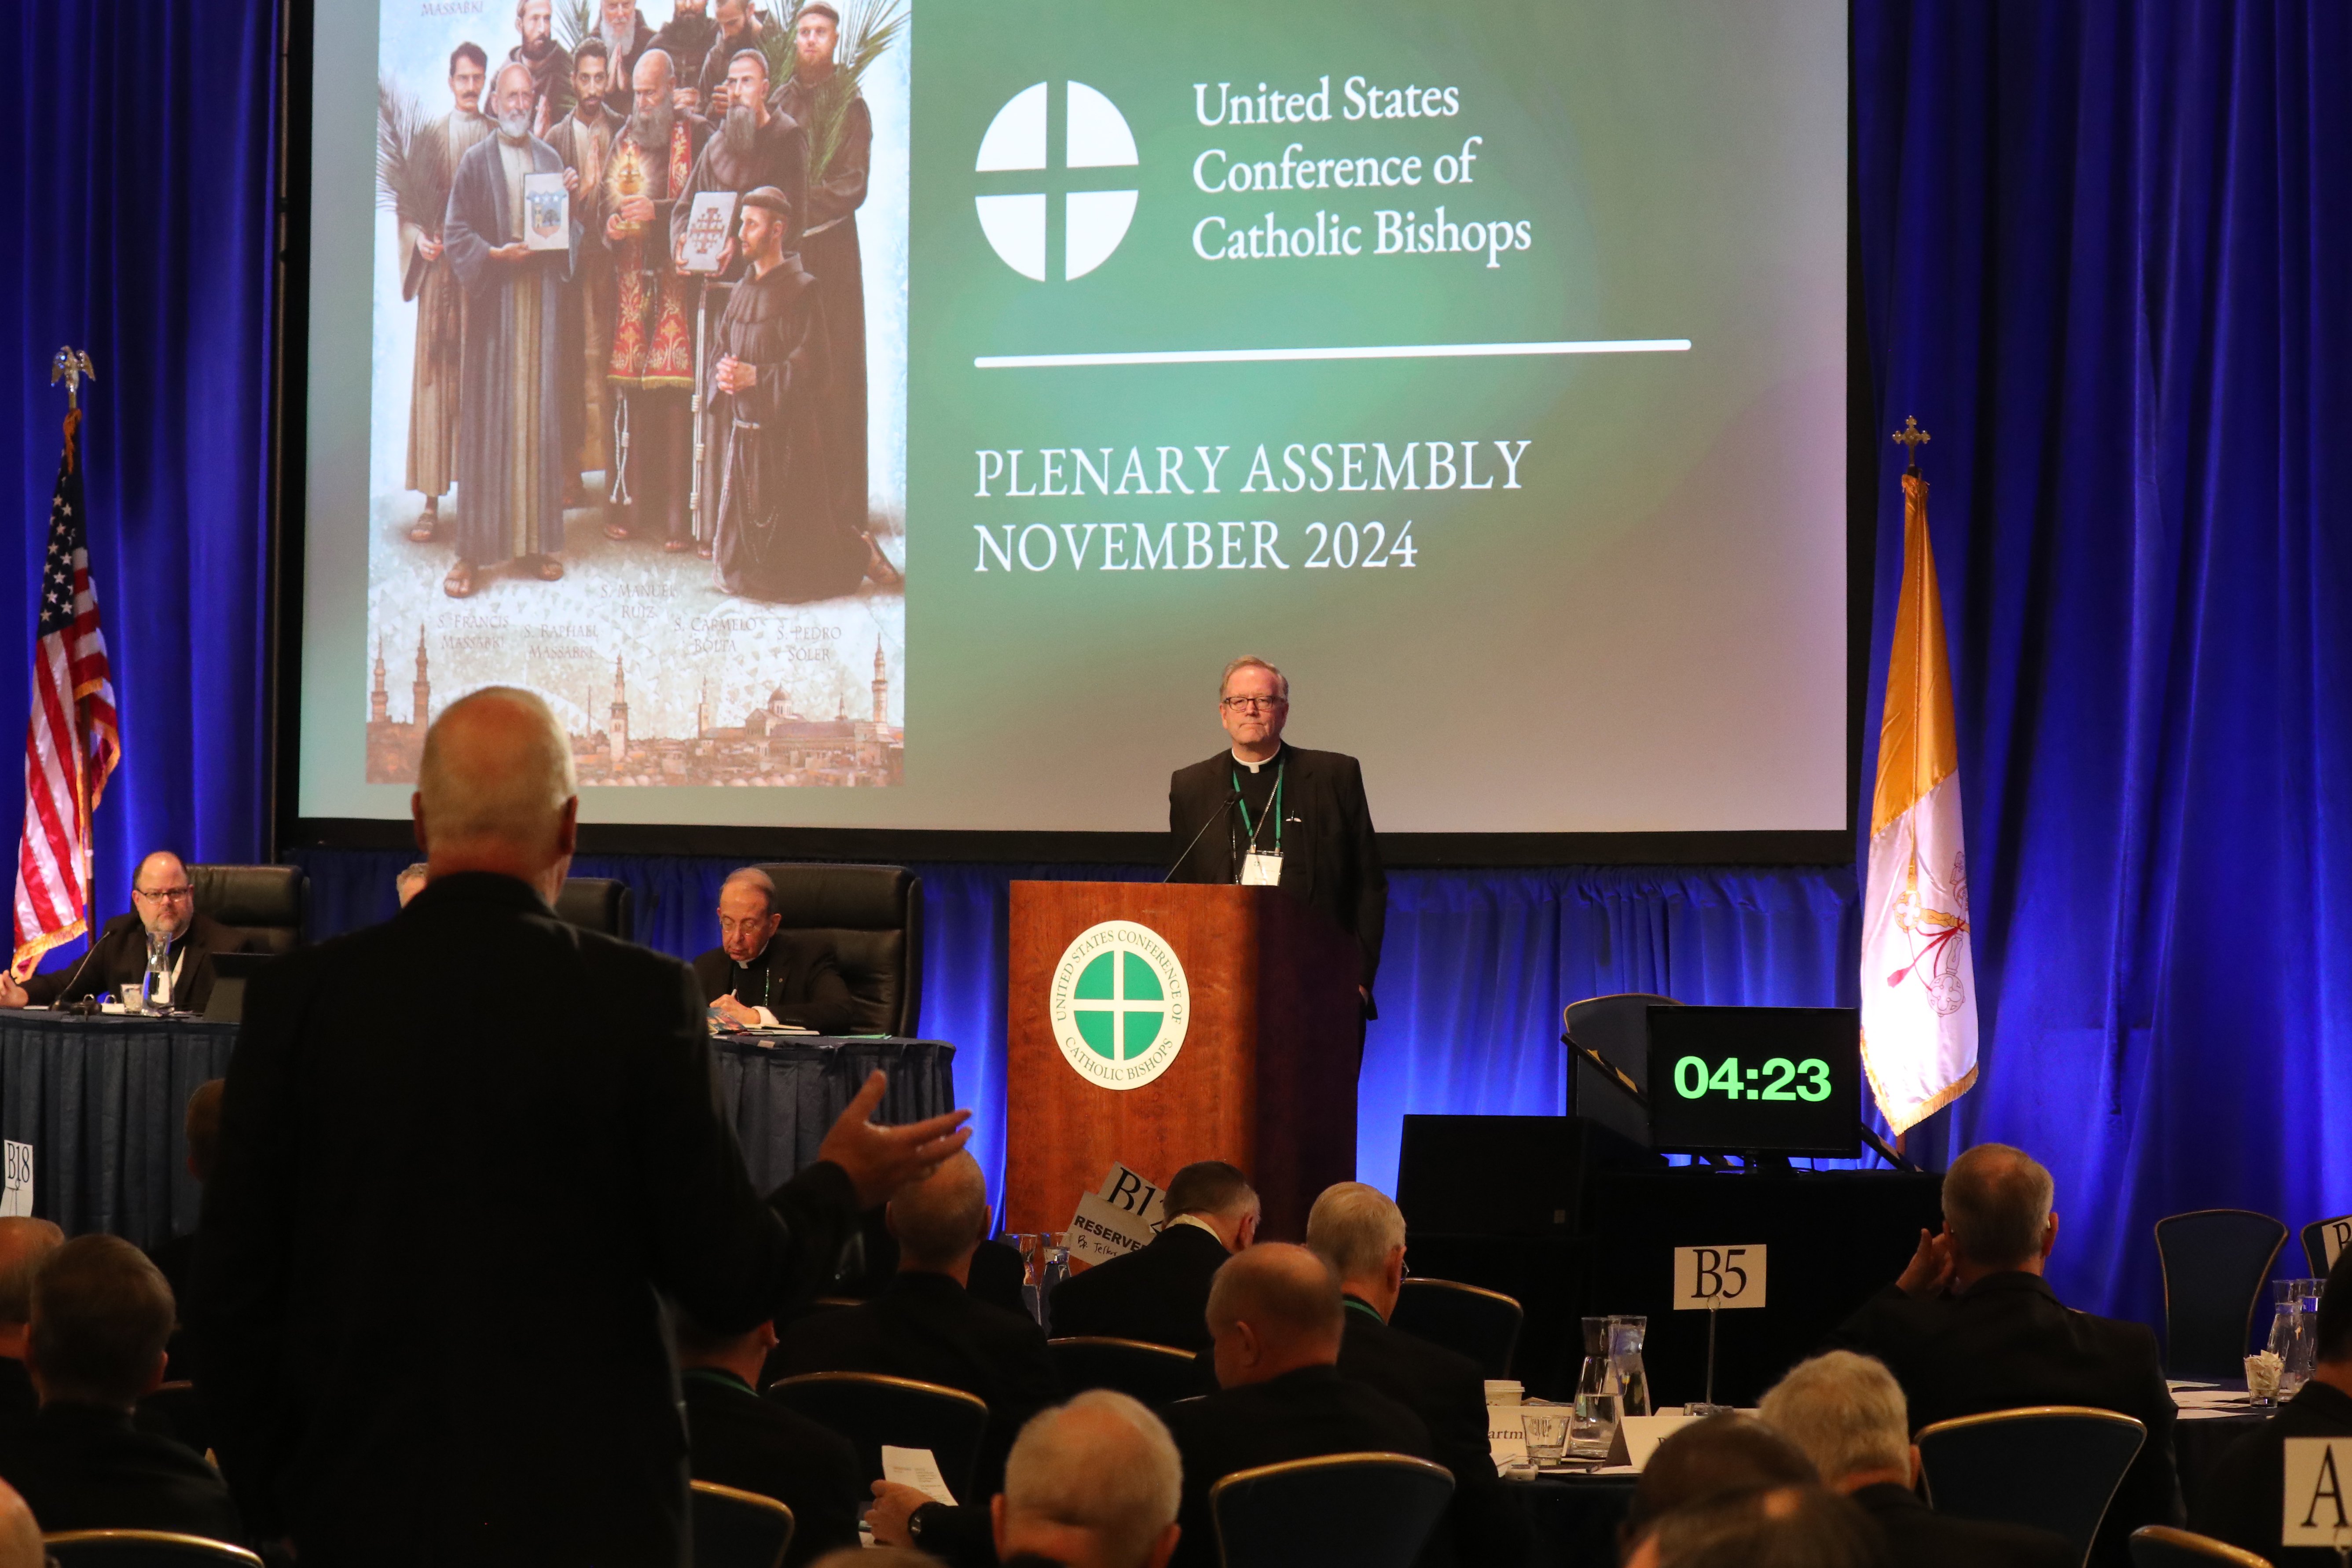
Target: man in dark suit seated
{"type": "Point", "coordinates": [100, 1316]}
{"type": "Point", "coordinates": [2243, 1501]}
{"type": "Point", "coordinates": [25, 1245]}
{"type": "Point", "coordinates": [1091, 1484]}
{"type": "Point", "coordinates": [1972, 1326]}
{"type": "Point", "coordinates": [1846, 1411]}
{"type": "Point", "coordinates": [927, 1326]}
{"type": "Point", "coordinates": [1161, 1292]}
{"type": "Point", "coordinates": [758, 975]}
{"type": "Point", "coordinates": [163, 908]}
{"type": "Point", "coordinates": [1276, 1316]}
{"type": "Point", "coordinates": [1361, 1234]}
{"type": "Point", "coordinates": [535, 1104]}
{"type": "Point", "coordinates": [738, 1439]}
{"type": "Point", "coordinates": [1723, 1454]}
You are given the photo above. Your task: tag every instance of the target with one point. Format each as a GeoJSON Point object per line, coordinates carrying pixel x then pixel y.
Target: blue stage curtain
{"type": "Point", "coordinates": [2106, 259]}
{"type": "Point", "coordinates": [143, 167]}
{"type": "Point", "coordinates": [1476, 967]}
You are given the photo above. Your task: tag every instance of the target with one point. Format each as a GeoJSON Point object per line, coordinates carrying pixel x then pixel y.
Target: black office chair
{"type": "Point", "coordinates": [2161, 1546]}
{"type": "Point", "coordinates": [871, 1410]}
{"type": "Point", "coordinates": [1156, 1374]}
{"type": "Point", "coordinates": [2215, 1264]}
{"type": "Point", "coordinates": [142, 1549]}
{"type": "Point", "coordinates": [2055, 1466]}
{"type": "Point", "coordinates": [1367, 1511]}
{"type": "Point", "coordinates": [597, 904]}
{"type": "Point", "coordinates": [873, 918]}
{"type": "Point", "coordinates": [735, 1528]}
{"type": "Point", "coordinates": [1481, 1325]}
{"type": "Point", "coordinates": [1618, 1028]}
{"type": "Point", "coordinates": [269, 906]}
{"type": "Point", "coordinates": [2315, 1238]}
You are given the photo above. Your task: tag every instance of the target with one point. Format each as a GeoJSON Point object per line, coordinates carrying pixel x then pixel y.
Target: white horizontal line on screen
{"type": "Point", "coordinates": [1384, 351]}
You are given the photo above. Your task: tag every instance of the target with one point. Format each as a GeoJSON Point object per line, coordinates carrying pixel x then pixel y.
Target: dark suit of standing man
{"type": "Point", "coordinates": [1321, 827]}
{"type": "Point", "coordinates": [462, 1155]}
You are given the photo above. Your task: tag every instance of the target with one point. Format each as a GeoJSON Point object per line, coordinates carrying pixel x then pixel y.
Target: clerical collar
{"type": "Point", "coordinates": [1243, 761]}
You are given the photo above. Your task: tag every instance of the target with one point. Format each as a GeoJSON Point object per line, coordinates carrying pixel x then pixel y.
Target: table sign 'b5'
{"type": "Point", "coordinates": [1713, 1278]}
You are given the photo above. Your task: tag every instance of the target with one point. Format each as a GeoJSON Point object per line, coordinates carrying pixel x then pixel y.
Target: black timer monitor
{"type": "Point", "coordinates": [1774, 1081]}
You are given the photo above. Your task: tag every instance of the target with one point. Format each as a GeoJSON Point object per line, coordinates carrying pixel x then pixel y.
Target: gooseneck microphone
{"type": "Point", "coordinates": [1233, 799]}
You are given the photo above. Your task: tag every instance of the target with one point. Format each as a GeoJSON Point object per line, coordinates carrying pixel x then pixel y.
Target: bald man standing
{"type": "Point", "coordinates": [463, 1156]}
{"type": "Point", "coordinates": [163, 908]}
{"type": "Point", "coordinates": [1275, 1315]}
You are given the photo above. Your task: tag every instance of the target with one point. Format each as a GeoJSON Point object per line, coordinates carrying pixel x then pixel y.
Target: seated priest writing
{"type": "Point", "coordinates": [163, 913]}
{"type": "Point", "coordinates": [760, 977]}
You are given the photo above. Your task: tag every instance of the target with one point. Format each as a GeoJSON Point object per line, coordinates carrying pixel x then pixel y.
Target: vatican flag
{"type": "Point", "coordinates": [1918, 985]}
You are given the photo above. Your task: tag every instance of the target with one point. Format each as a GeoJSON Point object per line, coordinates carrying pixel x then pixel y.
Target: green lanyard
{"type": "Point", "coordinates": [1274, 805]}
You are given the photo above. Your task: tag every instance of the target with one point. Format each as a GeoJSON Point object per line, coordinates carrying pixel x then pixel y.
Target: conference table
{"type": "Point", "coordinates": [103, 1101]}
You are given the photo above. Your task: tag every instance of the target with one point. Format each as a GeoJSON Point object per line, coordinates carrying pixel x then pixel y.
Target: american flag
{"type": "Point", "coordinates": [71, 742]}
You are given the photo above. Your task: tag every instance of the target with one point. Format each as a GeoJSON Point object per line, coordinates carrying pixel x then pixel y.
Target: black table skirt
{"type": "Point", "coordinates": [103, 1102]}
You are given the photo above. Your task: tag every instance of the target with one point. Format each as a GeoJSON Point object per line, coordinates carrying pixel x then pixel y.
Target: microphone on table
{"type": "Point", "coordinates": [88, 1003]}
{"type": "Point", "coordinates": [1233, 799]}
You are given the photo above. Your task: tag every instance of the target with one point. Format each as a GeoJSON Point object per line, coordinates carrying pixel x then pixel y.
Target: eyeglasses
{"type": "Point", "coordinates": [756, 923]}
{"type": "Point", "coordinates": [166, 895]}
{"type": "Point", "coordinates": [1252, 704]}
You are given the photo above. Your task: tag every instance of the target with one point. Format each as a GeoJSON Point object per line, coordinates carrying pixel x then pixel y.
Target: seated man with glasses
{"type": "Point", "coordinates": [162, 905]}
{"type": "Point", "coordinates": [1262, 812]}
{"type": "Point", "coordinates": [760, 976]}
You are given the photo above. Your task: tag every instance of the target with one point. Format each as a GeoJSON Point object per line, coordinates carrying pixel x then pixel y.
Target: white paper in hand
{"type": "Point", "coordinates": [916, 1467]}
{"type": "Point", "coordinates": [16, 1197]}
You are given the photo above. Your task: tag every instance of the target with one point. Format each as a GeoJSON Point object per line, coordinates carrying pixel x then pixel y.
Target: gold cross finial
{"type": "Point", "coordinates": [1910, 436]}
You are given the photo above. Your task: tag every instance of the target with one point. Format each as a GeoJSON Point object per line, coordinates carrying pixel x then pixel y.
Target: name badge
{"type": "Point", "coordinates": [1262, 868]}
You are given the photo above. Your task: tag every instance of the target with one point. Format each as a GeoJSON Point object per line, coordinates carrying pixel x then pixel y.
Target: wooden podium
{"type": "Point", "coordinates": [1264, 1076]}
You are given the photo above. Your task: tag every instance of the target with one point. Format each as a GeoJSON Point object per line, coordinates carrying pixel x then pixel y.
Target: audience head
{"type": "Point", "coordinates": [496, 790]}
{"type": "Point", "coordinates": [699, 1344]}
{"type": "Point", "coordinates": [20, 1533]}
{"type": "Point", "coordinates": [1847, 1413]}
{"type": "Point", "coordinates": [203, 1128]}
{"type": "Point", "coordinates": [747, 913]}
{"type": "Point", "coordinates": [1274, 1309]}
{"type": "Point", "coordinates": [1707, 1459]}
{"type": "Point", "coordinates": [941, 1220]}
{"type": "Point", "coordinates": [410, 882]}
{"type": "Point", "coordinates": [25, 1245]}
{"type": "Point", "coordinates": [101, 1313]}
{"type": "Point", "coordinates": [1997, 1211]}
{"type": "Point", "coordinates": [1091, 1484]}
{"type": "Point", "coordinates": [2335, 1328]}
{"type": "Point", "coordinates": [1361, 1235]}
{"type": "Point", "coordinates": [1219, 1196]}
{"type": "Point", "coordinates": [1796, 1526]}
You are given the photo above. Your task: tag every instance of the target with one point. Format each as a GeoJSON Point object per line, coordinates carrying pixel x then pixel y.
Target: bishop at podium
{"type": "Point", "coordinates": [1265, 813]}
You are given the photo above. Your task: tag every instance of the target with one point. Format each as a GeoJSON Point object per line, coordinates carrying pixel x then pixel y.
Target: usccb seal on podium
{"type": "Point", "coordinates": [1119, 1005]}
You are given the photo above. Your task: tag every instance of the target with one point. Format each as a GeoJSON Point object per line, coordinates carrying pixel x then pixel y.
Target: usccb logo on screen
{"type": "Point", "coordinates": [1119, 1005]}
{"type": "Point", "coordinates": [1100, 189]}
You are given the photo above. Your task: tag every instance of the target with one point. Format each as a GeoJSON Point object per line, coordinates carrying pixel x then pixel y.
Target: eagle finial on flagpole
{"type": "Point", "coordinates": [69, 365]}
{"type": "Point", "coordinates": [1911, 438]}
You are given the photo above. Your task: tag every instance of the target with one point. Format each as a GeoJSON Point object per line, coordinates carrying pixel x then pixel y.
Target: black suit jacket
{"type": "Point", "coordinates": [927, 1326]}
{"type": "Point", "coordinates": [461, 1154]}
{"type": "Point", "coordinates": [1160, 1293]}
{"type": "Point", "coordinates": [2008, 1342]}
{"type": "Point", "coordinates": [1298, 1416]}
{"type": "Point", "coordinates": [119, 960]}
{"type": "Point", "coordinates": [1329, 858]}
{"type": "Point", "coordinates": [1447, 1390]}
{"type": "Point", "coordinates": [18, 1403]}
{"type": "Point", "coordinates": [755, 1444]}
{"type": "Point", "coordinates": [2241, 1501]}
{"type": "Point", "coordinates": [82, 1468]}
{"type": "Point", "coordinates": [1919, 1537]}
{"type": "Point", "coordinates": [797, 979]}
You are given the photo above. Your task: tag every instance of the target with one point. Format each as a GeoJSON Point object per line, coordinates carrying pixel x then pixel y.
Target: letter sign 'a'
{"type": "Point", "coordinates": [1718, 1278]}
{"type": "Point", "coordinates": [2317, 1512]}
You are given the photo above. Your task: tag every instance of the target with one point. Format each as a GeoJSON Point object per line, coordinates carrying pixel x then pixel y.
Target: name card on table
{"type": "Point", "coordinates": [2317, 1510]}
{"type": "Point", "coordinates": [1123, 1217]}
{"type": "Point", "coordinates": [16, 1196]}
{"type": "Point", "coordinates": [1710, 1278]}
{"type": "Point", "coordinates": [1506, 1435]}
{"type": "Point", "coordinates": [1638, 1437]}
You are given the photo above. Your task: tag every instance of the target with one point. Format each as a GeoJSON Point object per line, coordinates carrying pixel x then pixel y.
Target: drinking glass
{"type": "Point", "coordinates": [1546, 1427]}
{"type": "Point", "coordinates": [1594, 1420]}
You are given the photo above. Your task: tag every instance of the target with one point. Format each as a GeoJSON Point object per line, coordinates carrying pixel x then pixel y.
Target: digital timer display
{"type": "Point", "coordinates": [1774, 1081]}
{"type": "Point", "coordinates": [1781, 1078]}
